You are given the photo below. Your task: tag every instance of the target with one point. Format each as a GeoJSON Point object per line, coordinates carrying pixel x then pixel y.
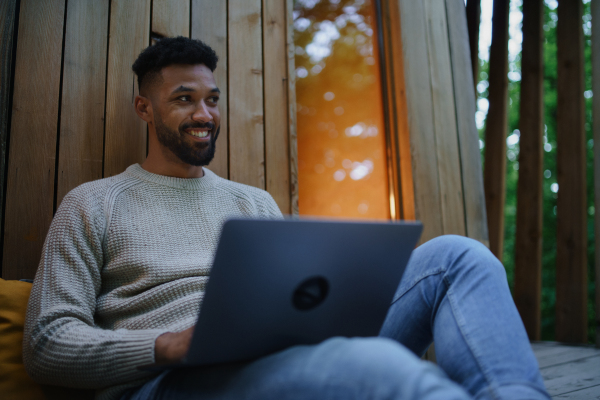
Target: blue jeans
{"type": "Point", "coordinates": [454, 291]}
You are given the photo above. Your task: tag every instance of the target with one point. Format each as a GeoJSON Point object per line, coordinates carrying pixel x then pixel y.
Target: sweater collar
{"type": "Point", "coordinates": [206, 181]}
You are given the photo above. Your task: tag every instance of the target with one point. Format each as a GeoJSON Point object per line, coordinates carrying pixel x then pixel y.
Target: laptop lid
{"type": "Point", "coordinates": [279, 283]}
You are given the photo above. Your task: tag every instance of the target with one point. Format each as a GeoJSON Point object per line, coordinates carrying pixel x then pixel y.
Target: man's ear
{"type": "Point", "coordinates": [143, 108]}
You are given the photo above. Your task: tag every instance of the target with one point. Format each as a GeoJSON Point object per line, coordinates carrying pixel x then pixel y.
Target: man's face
{"type": "Point", "coordinates": [186, 116]}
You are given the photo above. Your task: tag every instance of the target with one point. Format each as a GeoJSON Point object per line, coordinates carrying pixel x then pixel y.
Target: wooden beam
{"type": "Point", "coordinates": [528, 246]}
{"type": "Point", "coordinates": [7, 28]}
{"type": "Point", "coordinates": [209, 24]}
{"type": "Point", "coordinates": [125, 133]}
{"type": "Point", "coordinates": [468, 136]}
{"type": "Point", "coordinates": [84, 76]}
{"type": "Point", "coordinates": [292, 126]}
{"type": "Point", "coordinates": [30, 186]}
{"type": "Point", "coordinates": [571, 237]}
{"type": "Point", "coordinates": [496, 128]}
{"type": "Point", "coordinates": [596, 129]}
{"type": "Point", "coordinates": [473, 22]}
{"type": "Point", "coordinates": [420, 124]}
{"type": "Point", "coordinates": [246, 112]}
{"type": "Point", "coordinates": [444, 119]}
{"type": "Point", "coordinates": [277, 148]}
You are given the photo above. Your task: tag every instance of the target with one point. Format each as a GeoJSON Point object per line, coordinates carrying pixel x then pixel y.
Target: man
{"type": "Point", "coordinates": [127, 258]}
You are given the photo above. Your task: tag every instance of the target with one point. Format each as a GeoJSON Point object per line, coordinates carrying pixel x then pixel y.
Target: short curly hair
{"type": "Point", "coordinates": [168, 51]}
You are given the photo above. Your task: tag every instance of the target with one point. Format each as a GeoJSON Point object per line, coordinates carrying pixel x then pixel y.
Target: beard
{"type": "Point", "coordinates": [196, 154]}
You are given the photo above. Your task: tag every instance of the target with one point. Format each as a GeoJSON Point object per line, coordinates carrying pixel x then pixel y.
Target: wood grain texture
{"type": "Point", "coordinates": [171, 17]}
{"type": "Point", "coordinates": [473, 9]}
{"type": "Point", "coordinates": [125, 133]}
{"type": "Point", "coordinates": [494, 175]}
{"type": "Point", "coordinates": [573, 376]}
{"type": "Point", "coordinates": [569, 372]}
{"type": "Point", "coordinates": [399, 107]}
{"type": "Point", "coordinates": [292, 126]}
{"type": "Point", "coordinates": [420, 124]}
{"type": "Point", "coordinates": [444, 119]}
{"type": "Point", "coordinates": [83, 94]}
{"type": "Point", "coordinates": [246, 115]}
{"type": "Point", "coordinates": [571, 213]}
{"type": "Point", "coordinates": [277, 149]}
{"type": "Point", "coordinates": [7, 27]}
{"type": "Point", "coordinates": [596, 129]}
{"type": "Point", "coordinates": [209, 24]}
{"type": "Point", "coordinates": [528, 243]}
{"type": "Point", "coordinates": [30, 186]}
{"type": "Point", "coordinates": [468, 136]}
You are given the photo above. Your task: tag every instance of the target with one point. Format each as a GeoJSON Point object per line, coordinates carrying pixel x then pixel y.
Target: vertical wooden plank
{"type": "Point", "coordinates": [596, 128]}
{"type": "Point", "coordinates": [171, 17]}
{"type": "Point", "coordinates": [7, 28]}
{"type": "Point", "coordinates": [246, 115]}
{"type": "Point", "coordinates": [496, 128]}
{"type": "Point", "coordinates": [394, 49]}
{"type": "Point", "coordinates": [277, 149]}
{"type": "Point", "coordinates": [84, 77]}
{"type": "Point", "coordinates": [473, 21]}
{"type": "Point", "coordinates": [571, 213]}
{"type": "Point", "coordinates": [125, 134]}
{"type": "Point", "coordinates": [209, 24]}
{"type": "Point", "coordinates": [419, 105]}
{"type": "Point", "coordinates": [30, 186]}
{"type": "Point", "coordinates": [444, 119]}
{"type": "Point", "coordinates": [292, 130]}
{"type": "Point", "coordinates": [468, 136]}
{"type": "Point", "coordinates": [528, 245]}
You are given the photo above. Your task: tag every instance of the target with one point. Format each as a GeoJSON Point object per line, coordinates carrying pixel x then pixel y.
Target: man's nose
{"type": "Point", "coordinates": [201, 113]}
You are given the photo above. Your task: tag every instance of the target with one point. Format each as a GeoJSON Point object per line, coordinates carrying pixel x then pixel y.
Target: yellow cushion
{"type": "Point", "coordinates": [14, 381]}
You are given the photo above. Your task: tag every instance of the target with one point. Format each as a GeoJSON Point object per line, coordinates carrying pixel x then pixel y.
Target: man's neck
{"type": "Point", "coordinates": [172, 168]}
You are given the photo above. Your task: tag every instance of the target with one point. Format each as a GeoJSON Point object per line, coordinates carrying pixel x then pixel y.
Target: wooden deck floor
{"type": "Point", "coordinates": [570, 372]}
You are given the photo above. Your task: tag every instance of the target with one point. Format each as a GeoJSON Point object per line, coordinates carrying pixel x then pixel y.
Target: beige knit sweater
{"type": "Point", "coordinates": [126, 259]}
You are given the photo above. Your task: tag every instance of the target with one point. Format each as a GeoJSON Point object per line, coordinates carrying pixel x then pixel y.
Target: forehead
{"type": "Point", "coordinates": [197, 77]}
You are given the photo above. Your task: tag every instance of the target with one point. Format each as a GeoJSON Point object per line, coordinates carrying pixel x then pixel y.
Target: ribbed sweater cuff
{"type": "Point", "coordinates": [135, 349]}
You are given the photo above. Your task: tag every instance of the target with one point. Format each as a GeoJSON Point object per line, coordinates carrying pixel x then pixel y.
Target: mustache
{"type": "Point", "coordinates": [198, 125]}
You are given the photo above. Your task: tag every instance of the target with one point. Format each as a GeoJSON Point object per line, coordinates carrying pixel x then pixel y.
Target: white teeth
{"type": "Point", "coordinates": [200, 134]}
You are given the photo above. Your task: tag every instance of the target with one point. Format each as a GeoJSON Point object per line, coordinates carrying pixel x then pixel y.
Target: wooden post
{"type": "Point", "coordinates": [596, 128]}
{"type": "Point", "coordinates": [468, 137]}
{"type": "Point", "coordinates": [528, 246]}
{"type": "Point", "coordinates": [7, 27]}
{"type": "Point", "coordinates": [84, 76]}
{"type": "Point", "coordinates": [277, 147]}
{"type": "Point", "coordinates": [31, 164]}
{"type": "Point", "coordinates": [496, 128]}
{"type": "Point", "coordinates": [246, 104]}
{"type": "Point", "coordinates": [473, 22]}
{"type": "Point", "coordinates": [571, 238]}
{"type": "Point", "coordinates": [129, 35]}
{"type": "Point", "coordinates": [209, 24]}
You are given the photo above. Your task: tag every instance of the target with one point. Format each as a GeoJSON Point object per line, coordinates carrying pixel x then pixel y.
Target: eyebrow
{"type": "Point", "coordinates": [185, 89]}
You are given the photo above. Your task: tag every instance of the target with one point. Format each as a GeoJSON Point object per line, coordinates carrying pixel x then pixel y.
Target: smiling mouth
{"type": "Point", "coordinates": [199, 134]}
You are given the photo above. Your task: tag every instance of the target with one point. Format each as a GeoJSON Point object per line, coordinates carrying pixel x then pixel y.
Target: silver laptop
{"type": "Point", "coordinates": [280, 283]}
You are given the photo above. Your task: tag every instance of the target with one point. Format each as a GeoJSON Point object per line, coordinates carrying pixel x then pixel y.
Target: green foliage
{"type": "Point", "coordinates": [549, 202]}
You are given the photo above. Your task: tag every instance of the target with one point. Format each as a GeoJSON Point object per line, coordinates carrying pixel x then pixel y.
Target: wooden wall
{"type": "Point", "coordinates": [72, 118]}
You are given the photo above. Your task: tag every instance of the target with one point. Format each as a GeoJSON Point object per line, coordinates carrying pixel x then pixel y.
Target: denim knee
{"type": "Point", "coordinates": [463, 255]}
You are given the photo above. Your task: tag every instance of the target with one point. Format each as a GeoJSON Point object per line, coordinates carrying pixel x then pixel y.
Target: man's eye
{"type": "Point", "coordinates": [214, 99]}
{"type": "Point", "coordinates": [185, 98]}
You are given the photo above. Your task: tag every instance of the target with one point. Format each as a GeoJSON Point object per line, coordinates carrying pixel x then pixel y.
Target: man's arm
{"type": "Point", "coordinates": [62, 343]}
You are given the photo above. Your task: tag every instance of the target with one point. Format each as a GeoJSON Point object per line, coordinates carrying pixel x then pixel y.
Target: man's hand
{"type": "Point", "coordinates": [171, 347]}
